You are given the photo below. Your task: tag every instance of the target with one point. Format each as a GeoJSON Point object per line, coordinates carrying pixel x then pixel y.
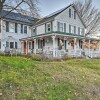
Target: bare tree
{"type": "Point", "coordinates": [89, 14]}
{"type": "Point", "coordinates": [27, 7]}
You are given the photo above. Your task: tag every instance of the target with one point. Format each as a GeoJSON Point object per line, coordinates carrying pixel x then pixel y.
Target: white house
{"type": "Point", "coordinates": [57, 33]}
{"type": "Point", "coordinates": [60, 32]}
{"type": "Point", "coordinates": [14, 26]}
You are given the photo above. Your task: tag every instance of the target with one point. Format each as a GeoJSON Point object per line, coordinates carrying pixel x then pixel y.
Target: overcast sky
{"type": "Point", "coordinates": [49, 6]}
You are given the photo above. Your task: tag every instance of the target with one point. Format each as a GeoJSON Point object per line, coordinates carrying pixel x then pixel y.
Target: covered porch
{"type": "Point", "coordinates": [59, 45]}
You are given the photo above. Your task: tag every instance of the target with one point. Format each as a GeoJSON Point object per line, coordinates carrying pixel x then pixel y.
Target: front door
{"type": "Point", "coordinates": [25, 48]}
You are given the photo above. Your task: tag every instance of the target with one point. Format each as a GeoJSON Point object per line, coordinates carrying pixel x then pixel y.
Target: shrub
{"type": "Point", "coordinates": [36, 57]}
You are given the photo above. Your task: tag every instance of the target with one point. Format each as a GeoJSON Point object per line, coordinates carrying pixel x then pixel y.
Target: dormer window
{"type": "Point", "coordinates": [48, 27]}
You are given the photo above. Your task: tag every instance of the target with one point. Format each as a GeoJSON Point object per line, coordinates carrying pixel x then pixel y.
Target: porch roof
{"type": "Point", "coordinates": [56, 33]}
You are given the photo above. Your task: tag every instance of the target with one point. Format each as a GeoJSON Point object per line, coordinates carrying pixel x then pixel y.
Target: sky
{"type": "Point", "coordinates": [49, 6]}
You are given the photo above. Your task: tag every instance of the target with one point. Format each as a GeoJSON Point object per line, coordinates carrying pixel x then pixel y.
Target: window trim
{"type": "Point", "coordinates": [7, 26]}
{"type": "Point", "coordinates": [74, 14]}
{"type": "Point", "coordinates": [25, 29]}
{"type": "Point", "coordinates": [70, 13]}
{"type": "Point", "coordinates": [48, 29]}
{"type": "Point", "coordinates": [21, 28]}
{"type": "Point", "coordinates": [12, 45]}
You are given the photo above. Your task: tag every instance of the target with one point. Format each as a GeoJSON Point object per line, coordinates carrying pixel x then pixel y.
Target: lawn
{"type": "Point", "coordinates": [24, 79]}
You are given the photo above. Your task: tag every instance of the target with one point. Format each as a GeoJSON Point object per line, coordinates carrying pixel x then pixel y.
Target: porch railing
{"type": "Point", "coordinates": [72, 53]}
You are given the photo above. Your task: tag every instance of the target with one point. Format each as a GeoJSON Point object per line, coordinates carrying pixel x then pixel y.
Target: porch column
{"type": "Point", "coordinates": [34, 46]}
{"type": "Point", "coordinates": [99, 45]}
{"type": "Point", "coordinates": [22, 46]}
{"type": "Point", "coordinates": [89, 47]}
{"type": "Point", "coordinates": [26, 47]}
{"type": "Point", "coordinates": [54, 45]}
{"type": "Point", "coordinates": [75, 44]}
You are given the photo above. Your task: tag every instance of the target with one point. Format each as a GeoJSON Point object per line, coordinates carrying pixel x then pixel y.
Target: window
{"type": "Point", "coordinates": [7, 26]}
{"type": "Point", "coordinates": [69, 13]}
{"type": "Point", "coordinates": [29, 45]}
{"type": "Point", "coordinates": [74, 14]}
{"type": "Point", "coordinates": [72, 29]}
{"type": "Point", "coordinates": [16, 27]}
{"type": "Point", "coordinates": [21, 28]}
{"type": "Point", "coordinates": [34, 32]}
{"type": "Point", "coordinates": [16, 45]}
{"type": "Point", "coordinates": [48, 28]}
{"type": "Point", "coordinates": [7, 44]}
{"type": "Point", "coordinates": [61, 27]}
{"type": "Point", "coordinates": [11, 27]}
{"type": "Point", "coordinates": [81, 31]}
{"type": "Point", "coordinates": [11, 45]}
{"type": "Point", "coordinates": [25, 29]}
{"type": "Point", "coordinates": [41, 43]}
{"type": "Point", "coordinates": [78, 30]}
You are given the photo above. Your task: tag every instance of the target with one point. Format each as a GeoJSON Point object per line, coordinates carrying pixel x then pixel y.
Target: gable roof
{"type": "Point", "coordinates": [54, 14]}
{"type": "Point", "coordinates": [16, 17]}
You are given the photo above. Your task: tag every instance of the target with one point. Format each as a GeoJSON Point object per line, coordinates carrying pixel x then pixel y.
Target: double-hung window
{"type": "Point", "coordinates": [81, 31]}
{"type": "Point", "coordinates": [61, 27]}
{"type": "Point", "coordinates": [21, 28]}
{"type": "Point", "coordinates": [7, 26]}
{"type": "Point", "coordinates": [69, 13]}
{"type": "Point", "coordinates": [72, 29]}
{"type": "Point", "coordinates": [25, 29]}
{"type": "Point", "coordinates": [48, 27]}
{"type": "Point", "coordinates": [11, 45]}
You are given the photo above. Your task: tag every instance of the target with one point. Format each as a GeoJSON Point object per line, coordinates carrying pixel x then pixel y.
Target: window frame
{"type": "Point", "coordinates": [48, 27]}
{"type": "Point", "coordinates": [21, 28]}
{"type": "Point", "coordinates": [70, 11]}
{"type": "Point", "coordinates": [11, 45]}
{"type": "Point", "coordinates": [25, 29]}
{"type": "Point", "coordinates": [7, 26]}
{"type": "Point", "coordinates": [61, 27]}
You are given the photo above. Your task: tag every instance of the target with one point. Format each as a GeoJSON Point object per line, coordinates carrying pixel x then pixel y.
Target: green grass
{"type": "Point", "coordinates": [24, 79]}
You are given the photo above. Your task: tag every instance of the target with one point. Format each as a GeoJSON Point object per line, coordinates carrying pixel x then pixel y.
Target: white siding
{"type": "Point", "coordinates": [40, 29]}
{"type": "Point", "coordinates": [16, 36]}
{"type": "Point", "coordinates": [64, 18]}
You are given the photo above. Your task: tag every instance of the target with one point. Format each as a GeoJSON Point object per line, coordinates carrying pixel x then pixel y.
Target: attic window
{"type": "Point", "coordinates": [69, 13]}
{"type": "Point", "coordinates": [74, 14]}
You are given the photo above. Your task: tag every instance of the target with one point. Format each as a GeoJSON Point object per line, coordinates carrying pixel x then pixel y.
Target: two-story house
{"type": "Point", "coordinates": [61, 30]}
{"type": "Point", "coordinates": [14, 26]}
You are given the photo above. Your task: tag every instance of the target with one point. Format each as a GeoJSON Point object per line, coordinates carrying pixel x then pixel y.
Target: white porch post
{"type": "Point", "coordinates": [22, 47]}
{"type": "Point", "coordinates": [34, 46]}
{"type": "Point", "coordinates": [75, 44]}
{"type": "Point", "coordinates": [54, 45]}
